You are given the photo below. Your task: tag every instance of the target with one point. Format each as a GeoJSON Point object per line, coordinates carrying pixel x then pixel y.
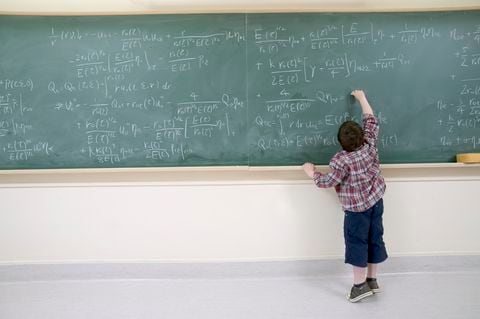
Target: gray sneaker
{"type": "Point", "coordinates": [358, 293]}
{"type": "Point", "coordinates": [372, 283]}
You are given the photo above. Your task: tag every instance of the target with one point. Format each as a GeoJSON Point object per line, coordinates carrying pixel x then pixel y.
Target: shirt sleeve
{"type": "Point", "coordinates": [370, 128]}
{"type": "Point", "coordinates": [333, 178]}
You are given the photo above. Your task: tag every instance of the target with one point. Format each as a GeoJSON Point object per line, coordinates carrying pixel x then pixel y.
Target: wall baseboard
{"type": "Point", "coordinates": [230, 270]}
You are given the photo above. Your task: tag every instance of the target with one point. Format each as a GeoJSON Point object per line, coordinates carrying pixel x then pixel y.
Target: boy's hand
{"type": "Point", "coordinates": [362, 100]}
{"type": "Point", "coordinates": [359, 94]}
{"type": "Point", "coordinates": [309, 169]}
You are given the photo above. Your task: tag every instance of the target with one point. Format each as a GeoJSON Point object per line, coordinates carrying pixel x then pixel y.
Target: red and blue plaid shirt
{"type": "Point", "coordinates": [356, 175]}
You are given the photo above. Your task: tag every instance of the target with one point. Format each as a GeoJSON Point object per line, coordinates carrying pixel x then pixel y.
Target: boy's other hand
{"type": "Point", "coordinates": [309, 169]}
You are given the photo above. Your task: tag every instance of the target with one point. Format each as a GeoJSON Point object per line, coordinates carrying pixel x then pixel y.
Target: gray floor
{"type": "Point", "coordinates": [413, 287]}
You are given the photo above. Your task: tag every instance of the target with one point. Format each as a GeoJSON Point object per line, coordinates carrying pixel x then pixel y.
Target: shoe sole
{"type": "Point", "coordinates": [360, 297]}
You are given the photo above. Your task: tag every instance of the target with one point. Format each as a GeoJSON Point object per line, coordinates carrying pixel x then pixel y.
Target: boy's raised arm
{"type": "Point", "coordinates": [370, 122]}
{"type": "Point", "coordinates": [362, 99]}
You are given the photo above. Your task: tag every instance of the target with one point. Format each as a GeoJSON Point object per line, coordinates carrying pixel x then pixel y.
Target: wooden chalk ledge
{"type": "Point", "coordinates": [468, 158]}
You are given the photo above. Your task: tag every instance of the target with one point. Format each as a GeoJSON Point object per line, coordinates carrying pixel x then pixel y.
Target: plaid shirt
{"type": "Point", "coordinates": [356, 175]}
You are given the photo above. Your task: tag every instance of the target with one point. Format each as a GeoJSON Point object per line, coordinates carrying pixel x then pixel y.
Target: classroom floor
{"type": "Point", "coordinates": [412, 287]}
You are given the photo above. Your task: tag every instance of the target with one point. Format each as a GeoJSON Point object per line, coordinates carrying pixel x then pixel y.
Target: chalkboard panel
{"type": "Point", "coordinates": [234, 89]}
{"type": "Point", "coordinates": [421, 73]}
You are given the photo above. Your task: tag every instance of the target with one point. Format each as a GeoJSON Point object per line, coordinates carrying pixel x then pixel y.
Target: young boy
{"type": "Point", "coordinates": [358, 181]}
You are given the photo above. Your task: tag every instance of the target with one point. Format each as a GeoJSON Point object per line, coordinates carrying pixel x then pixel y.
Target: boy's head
{"type": "Point", "coordinates": [350, 136]}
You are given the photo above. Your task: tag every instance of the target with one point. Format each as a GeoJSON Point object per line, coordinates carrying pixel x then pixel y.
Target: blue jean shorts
{"type": "Point", "coordinates": [363, 232]}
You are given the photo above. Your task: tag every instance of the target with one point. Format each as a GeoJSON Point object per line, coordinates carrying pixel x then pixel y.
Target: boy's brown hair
{"type": "Point", "coordinates": [350, 135]}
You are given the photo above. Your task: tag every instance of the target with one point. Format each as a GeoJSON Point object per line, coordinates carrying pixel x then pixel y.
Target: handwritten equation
{"type": "Point", "coordinates": [234, 89]}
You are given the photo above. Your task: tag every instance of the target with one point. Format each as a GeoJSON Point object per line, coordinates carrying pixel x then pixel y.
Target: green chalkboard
{"type": "Point", "coordinates": [234, 89]}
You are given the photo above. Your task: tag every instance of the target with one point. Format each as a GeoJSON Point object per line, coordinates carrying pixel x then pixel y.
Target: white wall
{"type": "Point", "coordinates": [201, 220]}
{"type": "Point", "coordinates": [48, 218]}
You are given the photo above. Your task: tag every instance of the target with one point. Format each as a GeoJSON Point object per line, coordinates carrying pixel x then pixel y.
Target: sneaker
{"type": "Point", "coordinates": [372, 283]}
{"type": "Point", "coordinates": [358, 293]}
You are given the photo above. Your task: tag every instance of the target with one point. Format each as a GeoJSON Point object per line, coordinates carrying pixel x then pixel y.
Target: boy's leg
{"type": "Point", "coordinates": [376, 246]}
{"type": "Point", "coordinates": [356, 229]}
{"type": "Point", "coordinates": [356, 233]}
{"type": "Point", "coordinates": [377, 252]}
{"type": "Point", "coordinates": [359, 275]}
{"type": "Point", "coordinates": [372, 270]}
{"type": "Point", "coordinates": [360, 288]}
{"type": "Point", "coordinates": [372, 278]}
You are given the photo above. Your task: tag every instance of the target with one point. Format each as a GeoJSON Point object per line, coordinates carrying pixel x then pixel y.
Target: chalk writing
{"type": "Point", "coordinates": [234, 89]}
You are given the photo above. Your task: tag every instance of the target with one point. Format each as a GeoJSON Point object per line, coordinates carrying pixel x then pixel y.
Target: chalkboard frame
{"type": "Point", "coordinates": [223, 167]}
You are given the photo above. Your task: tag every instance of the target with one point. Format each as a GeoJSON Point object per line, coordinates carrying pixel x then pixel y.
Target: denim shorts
{"type": "Point", "coordinates": [363, 232]}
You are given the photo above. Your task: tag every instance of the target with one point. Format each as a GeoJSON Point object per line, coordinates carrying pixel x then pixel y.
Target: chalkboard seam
{"type": "Point", "coordinates": [246, 82]}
